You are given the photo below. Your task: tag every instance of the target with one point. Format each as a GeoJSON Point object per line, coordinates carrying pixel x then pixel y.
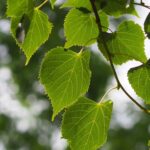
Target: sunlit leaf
{"type": "Point", "coordinates": [66, 77]}
{"type": "Point", "coordinates": [81, 28]}
{"type": "Point", "coordinates": [85, 124]}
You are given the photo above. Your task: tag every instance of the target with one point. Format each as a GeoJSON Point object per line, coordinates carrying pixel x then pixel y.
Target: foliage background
{"type": "Point", "coordinates": [25, 111]}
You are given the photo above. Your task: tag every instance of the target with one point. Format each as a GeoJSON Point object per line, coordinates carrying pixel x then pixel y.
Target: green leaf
{"type": "Point", "coordinates": [52, 3]}
{"type": "Point", "coordinates": [118, 7]}
{"type": "Point", "coordinates": [85, 124]}
{"type": "Point", "coordinates": [66, 77]}
{"type": "Point", "coordinates": [38, 32]}
{"type": "Point", "coordinates": [16, 8]}
{"type": "Point", "coordinates": [127, 43]}
{"type": "Point", "coordinates": [77, 4]}
{"type": "Point", "coordinates": [139, 78]}
{"type": "Point", "coordinates": [81, 28]}
{"type": "Point", "coordinates": [148, 143]}
{"type": "Point", "coordinates": [147, 25]}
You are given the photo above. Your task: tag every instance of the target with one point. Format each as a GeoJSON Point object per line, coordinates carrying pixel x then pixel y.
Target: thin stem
{"type": "Point", "coordinates": [98, 21]}
{"type": "Point", "coordinates": [107, 92]}
{"type": "Point", "coordinates": [108, 29]}
{"type": "Point", "coordinates": [81, 50]}
{"type": "Point", "coordinates": [142, 4]}
{"type": "Point", "coordinates": [42, 4]}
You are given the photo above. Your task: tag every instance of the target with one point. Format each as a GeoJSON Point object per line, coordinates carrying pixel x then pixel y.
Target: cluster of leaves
{"type": "Point", "coordinates": [66, 75]}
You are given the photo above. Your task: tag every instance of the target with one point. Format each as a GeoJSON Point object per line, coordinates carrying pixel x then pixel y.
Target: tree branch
{"type": "Point", "coordinates": [98, 21]}
{"type": "Point", "coordinates": [142, 4]}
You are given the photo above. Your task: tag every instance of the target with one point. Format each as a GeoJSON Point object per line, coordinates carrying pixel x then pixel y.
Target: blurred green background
{"type": "Point", "coordinates": [25, 111]}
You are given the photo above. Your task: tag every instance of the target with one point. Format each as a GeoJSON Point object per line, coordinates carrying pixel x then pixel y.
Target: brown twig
{"type": "Point", "coordinates": [142, 4]}
{"type": "Point", "coordinates": [98, 21]}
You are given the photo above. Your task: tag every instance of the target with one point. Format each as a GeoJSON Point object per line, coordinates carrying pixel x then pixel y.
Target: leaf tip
{"type": "Point", "coordinates": [27, 60]}
{"type": "Point", "coordinates": [54, 115]}
{"type": "Point", "coordinates": [67, 45]}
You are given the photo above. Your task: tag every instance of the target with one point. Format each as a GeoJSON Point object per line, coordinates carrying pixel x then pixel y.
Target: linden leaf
{"type": "Point", "coordinates": [66, 77]}
{"type": "Point", "coordinates": [37, 34]}
{"type": "Point", "coordinates": [81, 28]}
{"type": "Point", "coordinates": [77, 4]}
{"type": "Point", "coordinates": [147, 25]}
{"type": "Point", "coordinates": [127, 43]}
{"type": "Point", "coordinates": [16, 8]}
{"type": "Point", "coordinates": [118, 7]}
{"type": "Point", "coordinates": [85, 124]}
{"type": "Point", "coordinates": [139, 78]}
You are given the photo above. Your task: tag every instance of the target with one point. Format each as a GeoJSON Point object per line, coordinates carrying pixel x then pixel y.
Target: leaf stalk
{"type": "Point", "coordinates": [107, 92]}
{"type": "Point", "coordinates": [42, 4]}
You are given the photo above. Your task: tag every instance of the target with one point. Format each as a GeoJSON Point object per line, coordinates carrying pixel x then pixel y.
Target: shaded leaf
{"type": "Point", "coordinates": [147, 25]}
{"type": "Point", "coordinates": [52, 3]}
{"type": "Point", "coordinates": [127, 43]}
{"type": "Point", "coordinates": [16, 8]}
{"type": "Point", "coordinates": [139, 78]}
{"type": "Point", "coordinates": [38, 32]}
{"type": "Point", "coordinates": [119, 7]}
{"type": "Point", "coordinates": [77, 4]}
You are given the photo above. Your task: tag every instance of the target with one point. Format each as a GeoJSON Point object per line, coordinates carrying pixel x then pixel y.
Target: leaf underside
{"type": "Point", "coordinates": [66, 77]}
{"type": "Point", "coordinates": [85, 124]}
